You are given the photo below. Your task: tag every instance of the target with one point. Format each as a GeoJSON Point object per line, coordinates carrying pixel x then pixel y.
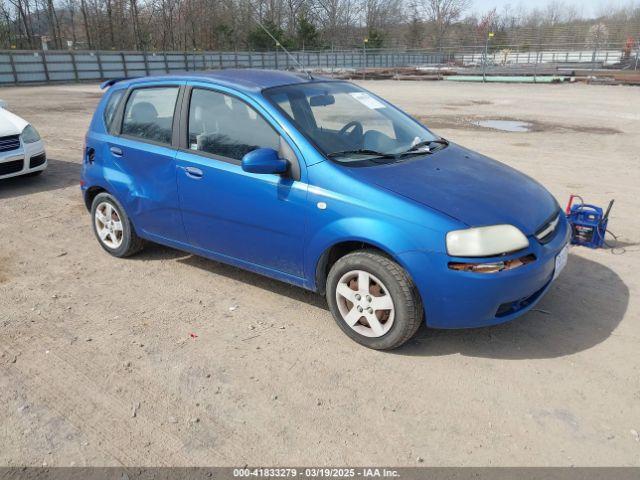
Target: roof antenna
{"type": "Point", "coordinates": [278, 44]}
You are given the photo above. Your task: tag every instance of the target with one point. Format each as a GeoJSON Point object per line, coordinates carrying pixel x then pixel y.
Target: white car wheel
{"type": "Point", "coordinates": [365, 304]}
{"type": "Point", "coordinates": [108, 225]}
{"type": "Point", "coordinates": [373, 300]}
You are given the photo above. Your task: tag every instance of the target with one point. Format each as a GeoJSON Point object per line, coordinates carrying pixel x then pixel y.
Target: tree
{"type": "Point", "coordinates": [415, 28]}
{"type": "Point", "coordinates": [177, 25]}
{"type": "Point", "coordinates": [337, 18]}
{"type": "Point", "coordinates": [24, 17]}
{"type": "Point", "coordinates": [441, 14]}
{"type": "Point", "coordinates": [306, 34]}
{"type": "Point", "coordinates": [383, 14]}
{"type": "Point", "coordinates": [223, 35]}
{"type": "Point", "coordinates": [54, 27]}
{"type": "Point", "coordinates": [375, 39]}
{"type": "Point", "coordinates": [598, 36]}
{"type": "Point", "coordinates": [258, 39]}
{"type": "Point", "coordinates": [85, 18]}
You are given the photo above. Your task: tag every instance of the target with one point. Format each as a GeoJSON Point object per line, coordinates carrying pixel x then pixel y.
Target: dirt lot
{"type": "Point", "coordinates": [98, 365]}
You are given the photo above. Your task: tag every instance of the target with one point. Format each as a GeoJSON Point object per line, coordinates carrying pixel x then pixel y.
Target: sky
{"type": "Point", "coordinates": [588, 7]}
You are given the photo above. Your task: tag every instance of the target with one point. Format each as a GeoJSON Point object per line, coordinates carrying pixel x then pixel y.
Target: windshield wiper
{"type": "Point", "coordinates": [361, 151]}
{"type": "Point", "coordinates": [419, 147]}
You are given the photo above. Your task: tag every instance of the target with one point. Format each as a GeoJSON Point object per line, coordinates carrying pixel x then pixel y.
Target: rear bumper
{"type": "Point", "coordinates": [26, 159]}
{"type": "Point", "coordinates": [457, 299]}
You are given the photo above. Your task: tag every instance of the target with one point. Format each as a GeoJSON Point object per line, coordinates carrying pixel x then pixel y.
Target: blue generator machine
{"type": "Point", "coordinates": [588, 223]}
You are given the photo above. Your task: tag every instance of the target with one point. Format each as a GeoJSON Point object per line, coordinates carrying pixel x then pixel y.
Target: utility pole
{"type": "Point", "coordinates": [486, 53]}
{"type": "Point", "coordinates": [364, 57]}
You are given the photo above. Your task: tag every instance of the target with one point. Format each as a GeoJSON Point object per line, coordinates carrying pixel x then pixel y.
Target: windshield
{"type": "Point", "coordinates": [349, 124]}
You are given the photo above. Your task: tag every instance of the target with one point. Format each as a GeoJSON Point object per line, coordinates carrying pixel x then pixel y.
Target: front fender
{"type": "Point", "coordinates": [392, 238]}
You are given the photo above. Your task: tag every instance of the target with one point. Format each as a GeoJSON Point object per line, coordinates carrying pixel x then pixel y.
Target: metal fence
{"type": "Point", "coordinates": [24, 67]}
{"type": "Point", "coordinates": [606, 57]}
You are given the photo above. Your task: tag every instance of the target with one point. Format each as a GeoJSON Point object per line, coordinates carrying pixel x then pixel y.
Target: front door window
{"type": "Point", "coordinates": [225, 126]}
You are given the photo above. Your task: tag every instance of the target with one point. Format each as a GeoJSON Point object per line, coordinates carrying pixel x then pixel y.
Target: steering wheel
{"type": "Point", "coordinates": [356, 134]}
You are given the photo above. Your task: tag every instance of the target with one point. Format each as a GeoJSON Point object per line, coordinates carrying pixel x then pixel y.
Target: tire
{"type": "Point", "coordinates": [121, 241]}
{"type": "Point", "coordinates": [386, 278]}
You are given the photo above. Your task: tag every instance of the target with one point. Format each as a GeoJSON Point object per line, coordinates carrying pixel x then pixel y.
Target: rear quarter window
{"type": "Point", "coordinates": [110, 111]}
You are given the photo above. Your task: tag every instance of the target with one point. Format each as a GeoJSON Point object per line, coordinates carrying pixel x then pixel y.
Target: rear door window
{"type": "Point", "coordinates": [148, 114]}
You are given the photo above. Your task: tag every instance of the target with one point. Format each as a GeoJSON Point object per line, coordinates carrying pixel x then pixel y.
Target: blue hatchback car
{"type": "Point", "coordinates": [324, 185]}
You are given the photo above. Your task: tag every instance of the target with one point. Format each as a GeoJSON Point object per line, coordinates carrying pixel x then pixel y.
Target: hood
{"type": "Point", "coordinates": [10, 124]}
{"type": "Point", "coordinates": [467, 186]}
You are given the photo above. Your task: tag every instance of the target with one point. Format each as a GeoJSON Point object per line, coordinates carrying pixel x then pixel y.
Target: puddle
{"type": "Point", "coordinates": [453, 121]}
{"type": "Point", "coordinates": [505, 125]}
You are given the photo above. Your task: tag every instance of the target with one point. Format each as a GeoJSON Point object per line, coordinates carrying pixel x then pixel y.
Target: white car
{"type": "Point", "coordinates": [21, 148]}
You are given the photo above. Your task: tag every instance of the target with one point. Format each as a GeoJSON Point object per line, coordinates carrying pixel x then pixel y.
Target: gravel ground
{"type": "Point", "coordinates": [171, 359]}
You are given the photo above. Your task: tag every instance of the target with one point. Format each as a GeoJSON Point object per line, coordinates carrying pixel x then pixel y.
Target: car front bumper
{"type": "Point", "coordinates": [28, 158]}
{"type": "Point", "coordinates": [459, 299]}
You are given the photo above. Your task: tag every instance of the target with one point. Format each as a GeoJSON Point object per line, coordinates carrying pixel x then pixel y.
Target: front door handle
{"type": "Point", "coordinates": [194, 172]}
{"type": "Point", "coordinates": [116, 151]}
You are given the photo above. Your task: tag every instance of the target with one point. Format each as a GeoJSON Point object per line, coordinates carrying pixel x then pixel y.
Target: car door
{"type": "Point", "coordinates": [144, 158]}
{"type": "Point", "coordinates": [257, 219]}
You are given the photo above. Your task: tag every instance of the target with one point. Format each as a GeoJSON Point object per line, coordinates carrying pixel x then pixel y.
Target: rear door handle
{"type": "Point", "coordinates": [116, 151]}
{"type": "Point", "coordinates": [194, 172]}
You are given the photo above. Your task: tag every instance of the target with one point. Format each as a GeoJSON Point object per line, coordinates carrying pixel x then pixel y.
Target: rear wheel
{"type": "Point", "coordinates": [113, 228]}
{"type": "Point", "coordinates": [373, 300]}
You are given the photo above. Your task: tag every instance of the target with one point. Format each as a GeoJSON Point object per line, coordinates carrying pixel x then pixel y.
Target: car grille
{"type": "Point", "coordinates": [547, 231]}
{"type": "Point", "coordinates": [11, 167]}
{"type": "Point", "coordinates": [37, 160]}
{"type": "Point", "coordinates": [11, 142]}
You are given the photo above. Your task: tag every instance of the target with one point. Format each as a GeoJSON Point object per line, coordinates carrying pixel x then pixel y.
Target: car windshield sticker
{"type": "Point", "coordinates": [367, 100]}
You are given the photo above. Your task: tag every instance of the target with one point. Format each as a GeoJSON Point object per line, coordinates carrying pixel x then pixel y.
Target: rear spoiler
{"type": "Point", "coordinates": [112, 81]}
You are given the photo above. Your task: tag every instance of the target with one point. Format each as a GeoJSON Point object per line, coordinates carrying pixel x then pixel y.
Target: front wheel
{"type": "Point", "coordinates": [373, 300]}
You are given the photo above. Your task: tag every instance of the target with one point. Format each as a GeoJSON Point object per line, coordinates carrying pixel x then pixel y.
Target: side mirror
{"type": "Point", "coordinates": [264, 160]}
{"type": "Point", "coordinates": [3, 104]}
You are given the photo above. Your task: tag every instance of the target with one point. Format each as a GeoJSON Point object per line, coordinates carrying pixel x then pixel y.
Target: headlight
{"type": "Point", "coordinates": [30, 134]}
{"type": "Point", "coordinates": [485, 241]}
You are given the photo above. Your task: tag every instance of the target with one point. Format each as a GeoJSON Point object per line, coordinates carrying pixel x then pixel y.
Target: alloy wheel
{"type": "Point", "coordinates": [109, 225]}
{"type": "Point", "coordinates": [365, 304]}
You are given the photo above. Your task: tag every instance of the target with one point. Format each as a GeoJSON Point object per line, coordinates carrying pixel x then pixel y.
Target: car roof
{"type": "Point", "coordinates": [250, 80]}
